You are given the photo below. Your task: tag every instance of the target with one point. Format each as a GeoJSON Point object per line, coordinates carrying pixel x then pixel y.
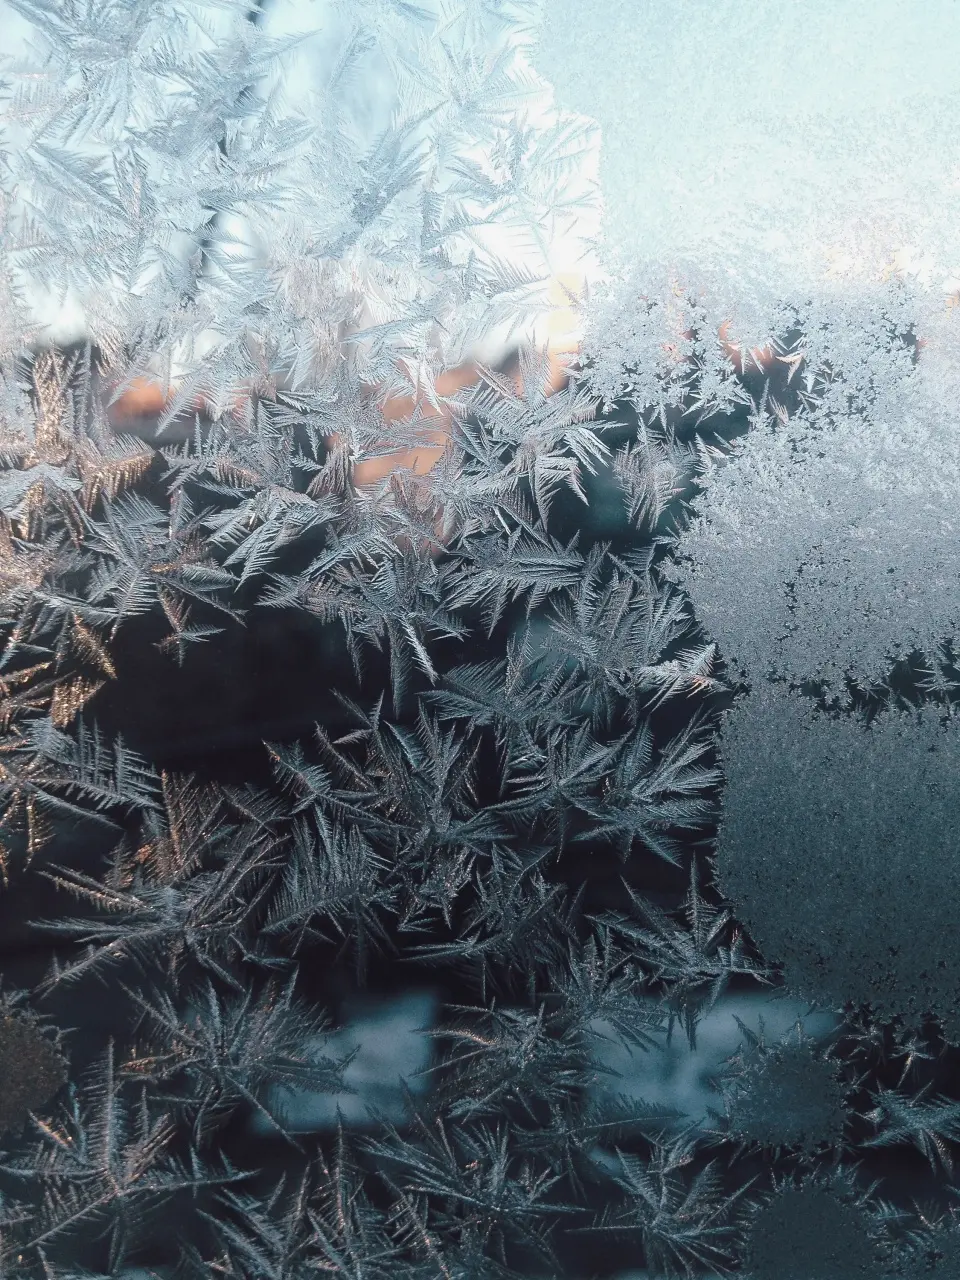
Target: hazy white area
{"type": "Point", "coordinates": [369, 93]}
{"type": "Point", "coordinates": [780, 140]}
{"type": "Point", "coordinates": [679, 1077]}
{"type": "Point", "coordinates": [391, 1044]}
{"type": "Point", "coordinates": [391, 1036]}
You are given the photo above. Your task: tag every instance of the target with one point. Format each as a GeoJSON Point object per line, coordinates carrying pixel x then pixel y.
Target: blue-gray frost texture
{"type": "Point", "coordinates": [544, 864]}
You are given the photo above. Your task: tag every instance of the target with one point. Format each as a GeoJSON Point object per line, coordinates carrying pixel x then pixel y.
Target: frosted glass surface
{"type": "Point", "coordinates": [768, 137]}
{"type": "Point", "coordinates": [792, 174]}
{"type": "Point", "coordinates": [479, 687]}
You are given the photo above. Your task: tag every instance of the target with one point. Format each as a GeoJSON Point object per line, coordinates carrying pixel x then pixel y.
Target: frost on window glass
{"type": "Point", "coordinates": [231, 191]}
{"type": "Point", "coordinates": [809, 227]}
{"type": "Point", "coordinates": [839, 845]}
{"type": "Point", "coordinates": [808, 230]}
{"type": "Point", "coordinates": [478, 595]}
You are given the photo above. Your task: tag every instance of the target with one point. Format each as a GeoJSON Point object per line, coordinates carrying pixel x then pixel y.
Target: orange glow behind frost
{"type": "Point", "coordinates": [146, 399]}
